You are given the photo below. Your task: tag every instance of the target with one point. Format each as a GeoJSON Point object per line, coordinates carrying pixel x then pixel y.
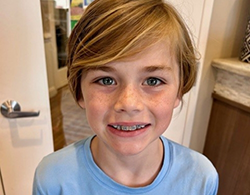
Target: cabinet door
{"type": "Point", "coordinates": [228, 145]}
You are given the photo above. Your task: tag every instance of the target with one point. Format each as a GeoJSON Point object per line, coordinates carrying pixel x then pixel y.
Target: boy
{"type": "Point", "coordinates": [129, 64]}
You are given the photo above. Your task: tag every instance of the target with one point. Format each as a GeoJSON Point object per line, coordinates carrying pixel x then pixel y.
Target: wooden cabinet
{"type": "Point", "coordinates": [228, 145]}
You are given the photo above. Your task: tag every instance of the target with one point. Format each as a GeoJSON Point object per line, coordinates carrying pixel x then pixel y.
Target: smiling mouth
{"type": "Point", "coordinates": [129, 128]}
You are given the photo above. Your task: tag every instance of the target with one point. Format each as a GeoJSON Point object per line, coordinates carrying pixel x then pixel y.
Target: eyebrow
{"type": "Point", "coordinates": [157, 68]}
{"type": "Point", "coordinates": [152, 68]}
{"type": "Point", "coordinates": [102, 68]}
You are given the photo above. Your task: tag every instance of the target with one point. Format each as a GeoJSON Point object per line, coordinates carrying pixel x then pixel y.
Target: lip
{"type": "Point", "coordinates": [128, 123]}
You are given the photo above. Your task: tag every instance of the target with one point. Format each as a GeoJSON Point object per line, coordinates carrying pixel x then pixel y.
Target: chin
{"type": "Point", "coordinates": [130, 148]}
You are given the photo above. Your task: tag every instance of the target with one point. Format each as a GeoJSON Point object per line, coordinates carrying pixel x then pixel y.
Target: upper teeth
{"type": "Point", "coordinates": [128, 128]}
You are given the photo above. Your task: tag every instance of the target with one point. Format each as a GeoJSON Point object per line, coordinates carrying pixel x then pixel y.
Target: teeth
{"type": "Point", "coordinates": [140, 126]}
{"type": "Point", "coordinates": [128, 128]}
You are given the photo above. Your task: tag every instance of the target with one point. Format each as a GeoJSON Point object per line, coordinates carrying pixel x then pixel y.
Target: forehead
{"type": "Point", "coordinates": [159, 54]}
{"type": "Point", "coordinates": [156, 58]}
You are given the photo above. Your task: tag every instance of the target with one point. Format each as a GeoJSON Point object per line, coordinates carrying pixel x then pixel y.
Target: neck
{"type": "Point", "coordinates": [136, 170]}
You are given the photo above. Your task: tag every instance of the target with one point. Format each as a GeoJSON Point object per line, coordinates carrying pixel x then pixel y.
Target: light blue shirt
{"type": "Point", "coordinates": [72, 171]}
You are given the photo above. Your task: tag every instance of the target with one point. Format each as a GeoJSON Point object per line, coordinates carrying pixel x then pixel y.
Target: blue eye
{"type": "Point", "coordinates": [153, 81]}
{"type": "Point", "coordinates": [106, 81]}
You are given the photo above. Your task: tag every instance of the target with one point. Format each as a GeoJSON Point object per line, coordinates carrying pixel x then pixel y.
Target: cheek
{"type": "Point", "coordinates": [165, 100]}
{"type": "Point", "coordinates": [163, 108]}
{"type": "Point", "coordinates": [163, 116]}
{"type": "Point", "coordinates": [94, 112]}
{"type": "Point", "coordinates": [96, 106]}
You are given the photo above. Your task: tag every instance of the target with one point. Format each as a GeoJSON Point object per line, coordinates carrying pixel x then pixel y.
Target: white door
{"type": "Point", "coordinates": [23, 141]}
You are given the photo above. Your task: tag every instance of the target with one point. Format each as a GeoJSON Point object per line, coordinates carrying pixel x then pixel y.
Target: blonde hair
{"type": "Point", "coordinates": [114, 29]}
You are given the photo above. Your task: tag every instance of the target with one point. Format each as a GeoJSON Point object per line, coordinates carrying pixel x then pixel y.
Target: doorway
{"type": "Point", "coordinates": [69, 123]}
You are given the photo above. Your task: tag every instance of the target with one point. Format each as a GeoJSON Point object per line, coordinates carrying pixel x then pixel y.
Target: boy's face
{"type": "Point", "coordinates": [129, 103]}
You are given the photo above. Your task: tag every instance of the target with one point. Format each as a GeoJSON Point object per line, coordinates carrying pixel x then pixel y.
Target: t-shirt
{"type": "Point", "coordinates": [72, 171]}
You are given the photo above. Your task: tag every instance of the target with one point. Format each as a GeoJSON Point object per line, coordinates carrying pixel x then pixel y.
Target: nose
{"type": "Point", "coordinates": [129, 99]}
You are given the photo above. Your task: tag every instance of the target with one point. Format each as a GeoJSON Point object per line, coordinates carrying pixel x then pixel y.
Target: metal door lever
{"type": "Point", "coordinates": [11, 109]}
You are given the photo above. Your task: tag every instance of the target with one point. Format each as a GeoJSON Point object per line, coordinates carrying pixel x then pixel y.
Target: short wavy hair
{"type": "Point", "coordinates": [114, 29]}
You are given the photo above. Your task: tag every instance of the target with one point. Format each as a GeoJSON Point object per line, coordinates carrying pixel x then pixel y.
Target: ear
{"type": "Point", "coordinates": [81, 103]}
{"type": "Point", "coordinates": [177, 102]}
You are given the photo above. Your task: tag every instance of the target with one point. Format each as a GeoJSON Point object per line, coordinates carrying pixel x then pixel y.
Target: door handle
{"type": "Point", "coordinates": [11, 109]}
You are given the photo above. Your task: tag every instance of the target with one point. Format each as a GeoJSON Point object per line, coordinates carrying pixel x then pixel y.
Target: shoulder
{"type": "Point", "coordinates": [188, 166]}
{"type": "Point", "coordinates": [59, 166]}
{"type": "Point", "coordinates": [62, 157]}
{"type": "Point", "coordinates": [186, 156]}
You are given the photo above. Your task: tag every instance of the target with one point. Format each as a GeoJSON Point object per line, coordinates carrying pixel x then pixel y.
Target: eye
{"type": "Point", "coordinates": [106, 81]}
{"type": "Point", "coordinates": [152, 81]}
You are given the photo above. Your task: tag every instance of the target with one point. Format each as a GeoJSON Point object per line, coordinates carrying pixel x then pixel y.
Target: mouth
{"type": "Point", "coordinates": [129, 128]}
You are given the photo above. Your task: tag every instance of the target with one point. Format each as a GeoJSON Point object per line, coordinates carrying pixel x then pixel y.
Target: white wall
{"type": "Point", "coordinates": [180, 127]}
{"type": "Point", "coordinates": [225, 38]}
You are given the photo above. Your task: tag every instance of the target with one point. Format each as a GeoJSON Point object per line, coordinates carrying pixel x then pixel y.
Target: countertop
{"type": "Point", "coordinates": [232, 80]}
